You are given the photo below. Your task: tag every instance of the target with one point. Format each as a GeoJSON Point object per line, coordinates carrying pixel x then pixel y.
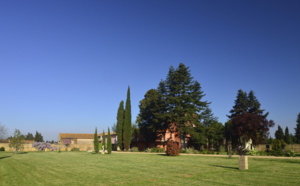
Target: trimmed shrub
{"type": "Point", "coordinates": [278, 147]}
{"type": "Point", "coordinates": [2, 149]}
{"type": "Point", "coordinates": [172, 149]}
{"type": "Point", "coordinates": [161, 150]}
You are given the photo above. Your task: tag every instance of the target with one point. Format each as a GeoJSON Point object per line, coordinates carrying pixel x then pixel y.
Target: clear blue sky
{"type": "Point", "coordinates": [66, 65]}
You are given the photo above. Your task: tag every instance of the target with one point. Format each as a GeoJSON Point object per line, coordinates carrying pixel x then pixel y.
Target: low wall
{"type": "Point", "coordinates": [294, 147]}
{"type": "Point", "coordinates": [28, 147]}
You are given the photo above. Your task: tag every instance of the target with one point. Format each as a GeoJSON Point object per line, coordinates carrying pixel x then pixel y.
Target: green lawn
{"type": "Point", "coordinates": [83, 168]}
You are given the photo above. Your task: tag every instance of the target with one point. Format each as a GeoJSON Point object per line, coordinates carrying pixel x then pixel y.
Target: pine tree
{"type": "Point", "coordinates": [103, 141]}
{"type": "Point", "coordinates": [279, 133]}
{"type": "Point", "coordinates": [120, 124]}
{"type": "Point", "coordinates": [38, 137]}
{"type": "Point", "coordinates": [96, 142]}
{"type": "Point", "coordinates": [287, 137]}
{"type": "Point", "coordinates": [240, 104]}
{"type": "Point", "coordinates": [183, 106]}
{"type": "Point", "coordinates": [297, 129]}
{"type": "Point", "coordinates": [127, 122]}
{"type": "Point", "coordinates": [108, 142]}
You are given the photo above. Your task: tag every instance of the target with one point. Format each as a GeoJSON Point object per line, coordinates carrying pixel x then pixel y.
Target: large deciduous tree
{"type": "Point", "coordinates": [96, 142]}
{"type": "Point", "coordinates": [297, 129]}
{"type": "Point", "coordinates": [17, 141]}
{"type": "Point", "coordinates": [248, 120]}
{"type": "Point", "coordinates": [120, 124]}
{"type": "Point", "coordinates": [127, 122]}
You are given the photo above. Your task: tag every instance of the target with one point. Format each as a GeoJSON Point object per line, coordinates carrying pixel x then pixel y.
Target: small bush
{"type": "Point", "coordinates": [196, 152]}
{"type": "Point", "coordinates": [162, 150]}
{"type": "Point", "coordinates": [134, 149]}
{"type": "Point", "coordinates": [190, 151]}
{"type": "Point", "coordinates": [172, 148]}
{"type": "Point", "coordinates": [148, 150]}
{"type": "Point", "coordinates": [204, 151]}
{"type": "Point", "coordinates": [252, 152]}
{"type": "Point", "coordinates": [75, 149]}
{"type": "Point", "coordinates": [2, 149]}
{"type": "Point", "coordinates": [290, 153]}
{"type": "Point", "coordinates": [155, 149]}
{"type": "Point", "coordinates": [182, 151]}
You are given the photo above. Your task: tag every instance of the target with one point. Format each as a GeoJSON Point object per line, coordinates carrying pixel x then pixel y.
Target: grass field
{"type": "Point", "coordinates": [83, 168]}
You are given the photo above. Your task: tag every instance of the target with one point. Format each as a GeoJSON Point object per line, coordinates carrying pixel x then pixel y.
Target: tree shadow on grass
{"type": "Point", "coordinates": [226, 167]}
{"type": "Point", "coordinates": [4, 157]}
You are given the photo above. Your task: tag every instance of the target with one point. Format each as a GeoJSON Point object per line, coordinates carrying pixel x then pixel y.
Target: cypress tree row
{"type": "Point", "coordinates": [103, 141]}
{"type": "Point", "coordinates": [120, 124]}
{"type": "Point", "coordinates": [297, 129]}
{"type": "Point", "coordinates": [96, 142]}
{"type": "Point", "coordinates": [108, 142]}
{"type": "Point", "coordinates": [127, 122]}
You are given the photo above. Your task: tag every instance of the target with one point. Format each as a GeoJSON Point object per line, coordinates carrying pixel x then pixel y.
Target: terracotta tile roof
{"type": "Point", "coordinates": [80, 135]}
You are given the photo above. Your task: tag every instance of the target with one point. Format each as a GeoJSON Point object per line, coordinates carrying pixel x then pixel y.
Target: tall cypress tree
{"type": "Point", "coordinates": [297, 129]}
{"type": "Point", "coordinates": [103, 141]}
{"type": "Point", "coordinates": [96, 142]}
{"type": "Point", "coordinates": [120, 124]}
{"type": "Point", "coordinates": [108, 142]}
{"type": "Point", "coordinates": [127, 122]}
{"type": "Point", "coordinates": [287, 137]}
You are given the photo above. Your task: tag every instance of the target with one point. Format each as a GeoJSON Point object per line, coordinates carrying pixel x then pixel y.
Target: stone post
{"type": "Point", "coordinates": [243, 162]}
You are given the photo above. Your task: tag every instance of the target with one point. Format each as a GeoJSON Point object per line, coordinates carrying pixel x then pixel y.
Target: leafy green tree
{"type": "Point", "coordinates": [287, 137]}
{"type": "Point", "coordinates": [109, 147]}
{"type": "Point", "coordinates": [279, 133]}
{"type": "Point", "coordinates": [297, 129]}
{"type": "Point", "coordinates": [96, 142]}
{"type": "Point", "coordinates": [16, 141]}
{"type": "Point", "coordinates": [127, 122]}
{"type": "Point", "coordinates": [149, 119]}
{"type": "Point", "coordinates": [120, 124]}
{"type": "Point", "coordinates": [103, 141]}
{"type": "Point", "coordinates": [248, 120]}
{"type": "Point", "coordinates": [214, 133]}
{"type": "Point", "coordinates": [38, 137]}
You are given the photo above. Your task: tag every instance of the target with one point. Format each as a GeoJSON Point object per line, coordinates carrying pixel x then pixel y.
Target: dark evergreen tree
{"type": "Point", "coordinates": [29, 136]}
{"type": "Point", "coordinates": [120, 124]}
{"type": "Point", "coordinates": [297, 129]}
{"type": "Point", "coordinates": [103, 141]}
{"type": "Point", "coordinates": [287, 137]}
{"type": "Point", "coordinates": [38, 137]}
{"type": "Point", "coordinates": [182, 97]}
{"type": "Point", "coordinates": [108, 142]}
{"type": "Point", "coordinates": [279, 133]}
{"type": "Point", "coordinates": [127, 122]}
{"type": "Point", "coordinates": [96, 142]}
{"type": "Point", "coordinates": [248, 120]}
{"type": "Point", "coordinates": [149, 119]}
{"type": "Point", "coordinates": [240, 104]}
